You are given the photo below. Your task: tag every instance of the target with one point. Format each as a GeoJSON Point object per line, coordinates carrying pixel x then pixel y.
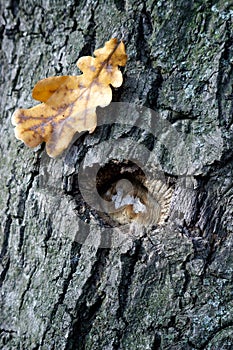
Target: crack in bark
{"type": "Point", "coordinates": [90, 38]}
{"type": "Point", "coordinates": [144, 31]}
{"type": "Point", "coordinates": [225, 76]}
{"type": "Point", "coordinates": [187, 276]}
{"type": "Point", "coordinates": [5, 264]}
{"type": "Point", "coordinates": [156, 342]}
{"type": "Point", "coordinates": [27, 288]}
{"type": "Point", "coordinates": [75, 250]}
{"type": "Point", "coordinates": [48, 235]}
{"type": "Point", "coordinates": [85, 312]}
{"type": "Point", "coordinates": [128, 261]}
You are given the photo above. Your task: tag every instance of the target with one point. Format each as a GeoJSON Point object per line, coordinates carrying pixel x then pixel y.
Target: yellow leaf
{"type": "Point", "coordinates": [69, 102]}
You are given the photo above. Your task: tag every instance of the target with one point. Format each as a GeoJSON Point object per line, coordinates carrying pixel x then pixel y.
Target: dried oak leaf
{"type": "Point", "coordinates": [69, 102]}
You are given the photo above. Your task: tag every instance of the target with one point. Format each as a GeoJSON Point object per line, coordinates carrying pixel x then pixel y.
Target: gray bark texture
{"type": "Point", "coordinates": [65, 282]}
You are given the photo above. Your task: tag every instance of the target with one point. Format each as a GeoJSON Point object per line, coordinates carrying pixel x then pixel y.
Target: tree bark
{"type": "Point", "coordinates": [69, 278]}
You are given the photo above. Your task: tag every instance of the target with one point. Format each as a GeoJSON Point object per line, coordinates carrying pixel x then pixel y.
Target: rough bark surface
{"type": "Point", "coordinates": [171, 286]}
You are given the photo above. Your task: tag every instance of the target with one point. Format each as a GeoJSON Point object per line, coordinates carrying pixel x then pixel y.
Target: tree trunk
{"type": "Point", "coordinates": [75, 275]}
